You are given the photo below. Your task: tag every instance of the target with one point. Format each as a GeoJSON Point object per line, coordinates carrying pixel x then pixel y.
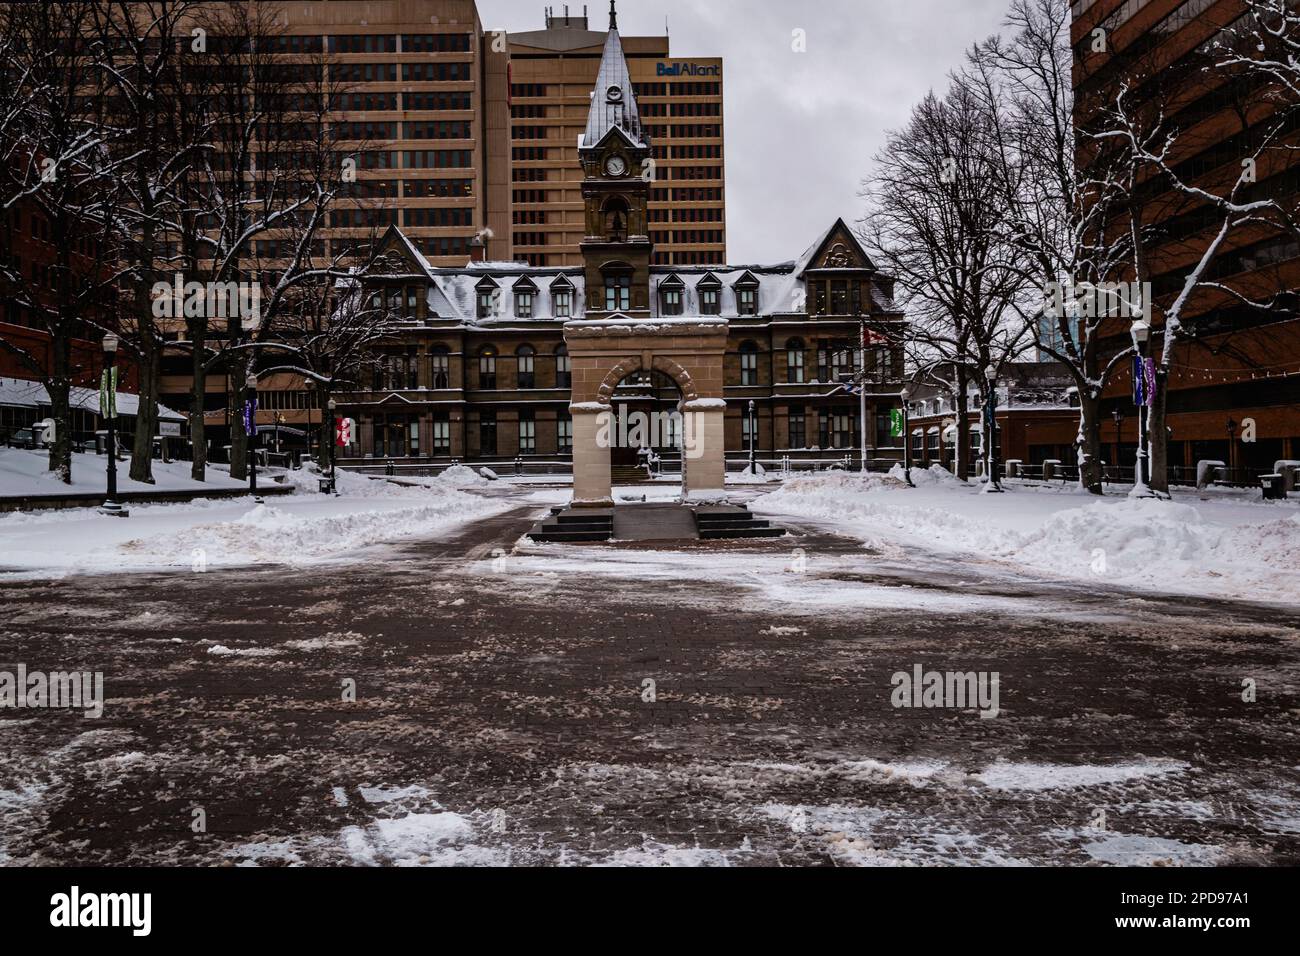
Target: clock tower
{"type": "Point", "coordinates": [618, 171]}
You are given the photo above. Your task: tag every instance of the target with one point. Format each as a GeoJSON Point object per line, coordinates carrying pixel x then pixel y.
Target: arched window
{"type": "Point", "coordinates": [527, 358]}
{"type": "Point", "coordinates": [440, 368]}
{"type": "Point", "coordinates": [748, 363]}
{"type": "Point", "coordinates": [794, 359]}
{"type": "Point", "coordinates": [487, 367]}
{"type": "Point", "coordinates": [563, 368]}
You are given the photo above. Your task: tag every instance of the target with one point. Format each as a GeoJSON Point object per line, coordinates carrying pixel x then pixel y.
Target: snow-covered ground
{"type": "Point", "coordinates": [1210, 543]}
{"type": "Point", "coordinates": [24, 472]}
{"type": "Point", "coordinates": [306, 528]}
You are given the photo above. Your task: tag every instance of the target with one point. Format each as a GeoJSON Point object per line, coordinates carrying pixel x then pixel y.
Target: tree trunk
{"type": "Point", "coordinates": [963, 428]}
{"type": "Point", "coordinates": [1157, 437]}
{"type": "Point", "coordinates": [1088, 444]}
{"type": "Point", "coordinates": [146, 416]}
{"type": "Point", "coordinates": [61, 408]}
{"type": "Point", "coordinates": [198, 399]}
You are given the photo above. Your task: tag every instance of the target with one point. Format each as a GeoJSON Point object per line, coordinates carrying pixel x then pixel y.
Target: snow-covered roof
{"type": "Point", "coordinates": [24, 393]}
{"type": "Point", "coordinates": [453, 292]}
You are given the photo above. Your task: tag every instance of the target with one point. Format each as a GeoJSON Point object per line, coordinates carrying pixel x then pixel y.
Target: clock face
{"type": "Point", "coordinates": [616, 166]}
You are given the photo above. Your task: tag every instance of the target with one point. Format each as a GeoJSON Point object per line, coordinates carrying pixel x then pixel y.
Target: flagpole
{"type": "Point", "coordinates": [862, 394]}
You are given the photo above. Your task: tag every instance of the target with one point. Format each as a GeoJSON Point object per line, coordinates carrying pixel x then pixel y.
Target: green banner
{"type": "Point", "coordinates": [108, 394]}
{"type": "Point", "coordinates": [895, 423]}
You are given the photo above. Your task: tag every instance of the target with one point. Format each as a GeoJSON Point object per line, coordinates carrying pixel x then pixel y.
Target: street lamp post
{"type": "Point", "coordinates": [108, 409]}
{"type": "Point", "coordinates": [250, 429]}
{"type": "Point", "coordinates": [753, 430]}
{"type": "Point", "coordinates": [1141, 333]}
{"type": "Point", "coordinates": [993, 485]}
{"type": "Point", "coordinates": [907, 440]}
{"type": "Point", "coordinates": [333, 453]}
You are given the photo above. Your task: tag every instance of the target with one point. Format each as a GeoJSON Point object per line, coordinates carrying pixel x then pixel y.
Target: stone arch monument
{"type": "Point", "coordinates": [605, 352]}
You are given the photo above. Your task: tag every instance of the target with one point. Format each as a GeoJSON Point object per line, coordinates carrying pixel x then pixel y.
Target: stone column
{"type": "Point", "coordinates": [704, 445]}
{"type": "Point", "coordinates": [592, 486]}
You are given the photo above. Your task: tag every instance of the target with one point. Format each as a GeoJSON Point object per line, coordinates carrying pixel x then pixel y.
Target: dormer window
{"type": "Point", "coordinates": [562, 298]}
{"type": "Point", "coordinates": [525, 297]}
{"type": "Point", "coordinates": [671, 296]}
{"type": "Point", "coordinates": [747, 301]}
{"type": "Point", "coordinates": [710, 290]}
{"type": "Point", "coordinates": [747, 295]}
{"type": "Point", "coordinates": [488, 298]}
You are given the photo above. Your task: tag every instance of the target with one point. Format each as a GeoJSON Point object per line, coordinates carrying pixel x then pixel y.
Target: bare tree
{"type": "Point", "coordinates": [58, 169]}
{"type": "Point", "coordinates": [139, 54]}
{"type": "Point", "coordinates": [935, 220]}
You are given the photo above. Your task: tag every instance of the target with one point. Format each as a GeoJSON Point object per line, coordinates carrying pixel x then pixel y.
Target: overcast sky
{"type": "Point", "coordinates": [801, 128]}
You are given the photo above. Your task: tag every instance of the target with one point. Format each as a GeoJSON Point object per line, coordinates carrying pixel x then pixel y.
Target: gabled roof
{"type": "Point", "coordinates": [613, 103]}
{"type": "Point", "coordinates": [840, 233]}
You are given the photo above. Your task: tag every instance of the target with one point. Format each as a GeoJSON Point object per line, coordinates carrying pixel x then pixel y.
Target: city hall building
{"type": "Point", "coordinates": [506, 362]}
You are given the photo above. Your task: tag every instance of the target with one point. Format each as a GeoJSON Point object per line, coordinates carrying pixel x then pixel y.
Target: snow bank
{"type": "Point", "coordinates": [461, 476]}
{"type": "Point", "coordinates": [1231, 549]}
{"type": "Point", "coordinates": [300, 530]}
{"type": "Point", "coordinates": [934, 475]}
{"type": "Point", "coordinates": [24, 472]}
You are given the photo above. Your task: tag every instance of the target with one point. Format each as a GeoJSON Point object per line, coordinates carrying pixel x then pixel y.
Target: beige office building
{"type": "Point", "coordinates": [542, 91]}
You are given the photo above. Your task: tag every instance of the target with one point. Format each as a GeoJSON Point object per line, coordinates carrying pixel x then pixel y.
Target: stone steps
{"type": "Point", "coordinates": [575, 526]}
{"type": "Point", "coordinates": [729, 522]}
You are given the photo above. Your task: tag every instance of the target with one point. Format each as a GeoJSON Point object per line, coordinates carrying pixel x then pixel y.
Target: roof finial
{"type": "Point", "coordinates": [613, 15]}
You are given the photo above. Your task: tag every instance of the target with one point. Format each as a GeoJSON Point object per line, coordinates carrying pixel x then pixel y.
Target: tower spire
{"type": "Point", "coordinates": [613, 15]}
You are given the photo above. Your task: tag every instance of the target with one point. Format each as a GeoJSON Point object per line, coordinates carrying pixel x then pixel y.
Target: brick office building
{"type": "Point", "coordinates": [1237, 363]}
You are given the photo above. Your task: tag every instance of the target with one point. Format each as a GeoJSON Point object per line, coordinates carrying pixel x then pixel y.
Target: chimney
{"type": "Point", "coordinates": [477, 249]}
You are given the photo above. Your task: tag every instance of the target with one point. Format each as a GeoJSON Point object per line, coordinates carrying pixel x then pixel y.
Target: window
{"type": "Point", "coordinates": [527, 432]}
{"type": "Point", "coordinates": [563, 368]}
{"type": "Point", "coordinates": [563, 302]}
{"type": "Point", "coordinates": [618, 292]}
{"type": "Point", "coordinates": [839, 297]}
{"type": "Point", "coordinates": [747, 300]}
{"type": "Point", "coordinates": [440, 368]}
{"type": "Point", "coordinates": [794, 361]}
{"type": "Point", "coordinates": [834, 360]}
{"type": "Point", "coordinates": [748, 429]}
{"type": "Point", "coordinates": [671, 298]}
{"type": "Point", "coordinates": [564, 434]}
{"type": "Point", "coordinates": [527, 366]}
{"type": "Point", "coordinates": [710, 299]}
{"type": "Point", "coordinates": [487, 433]}
{"type": "Point", "coordinates": [487, 368]}
{"type": "Point", "coordinates": [441, 434]}
{"type": "Point", "coordinates": [837, 429]}
{"type": "Point", "coordinates": [798, 430]}
{"type": "Point", "coordinates": [489, 297]}
{"type": "Point", "coordinates": [524, 296]}
{"type": "Point", "coordinates": [748, 363]}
